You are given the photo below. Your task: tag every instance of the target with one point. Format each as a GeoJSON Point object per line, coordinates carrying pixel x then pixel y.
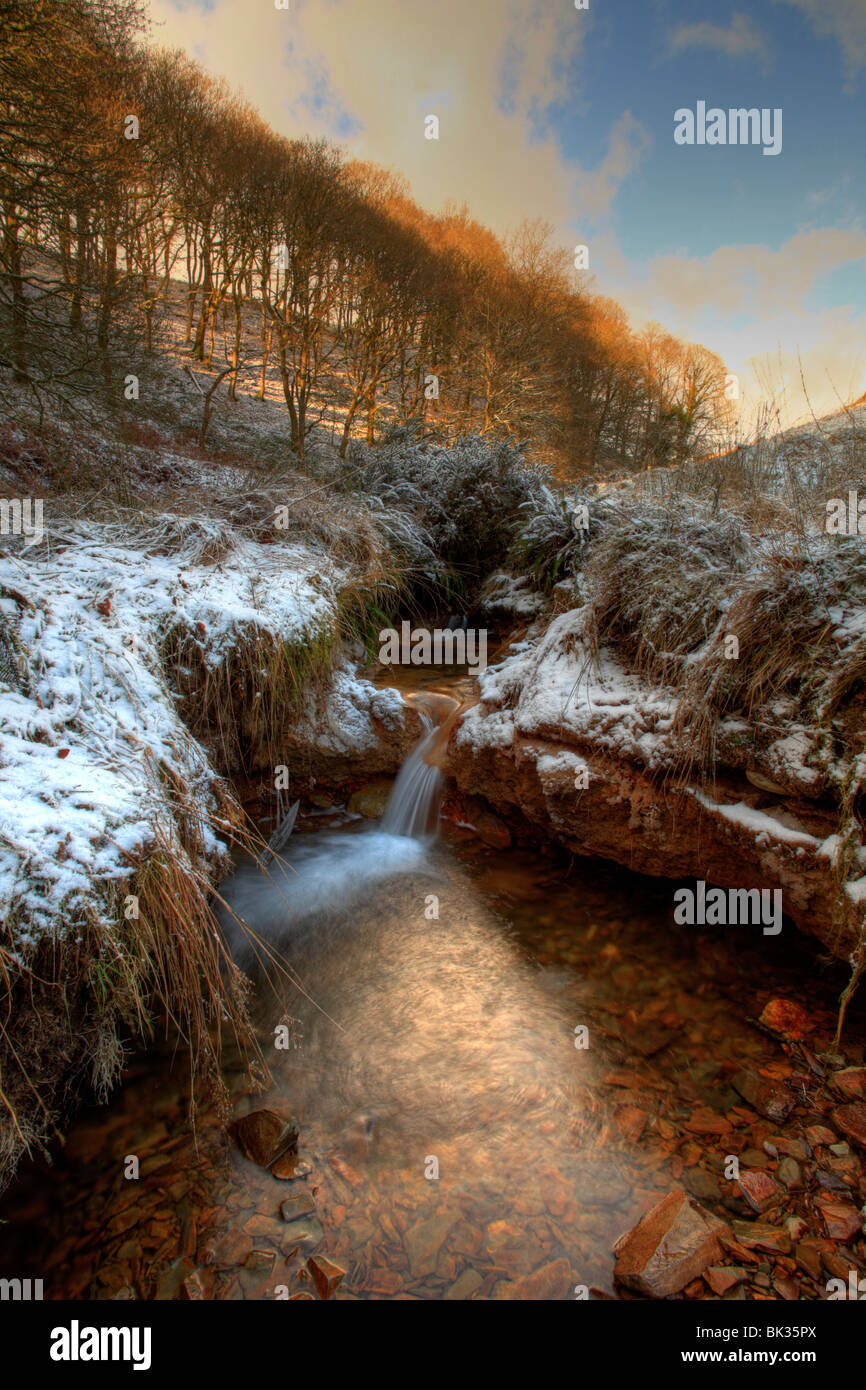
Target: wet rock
{"type": "Point", "coordinates": [790, 1175]}
{"type": "Point", "coordinates": [786, 1288]}
{"type": "Point", "coordinates": [851, 1120]}
{"type": "Point", "coordinates": [770, 1098]}
{"type": "Point", "coordinates": [670, 1246]}
{"type": "Point", "coordinates": [759, 1189]}
{"type": "Point", "coordinates": [786, 1019]}
{"type": "Point", "coordinates": [796, 1227]}
{"type": "Point", "coordinates": [260, 1260]}
{"type": "Point", "coordinates": [753, 1158]}
{"type": "Point", "coordinates": [327, 1276]}
{"type": "Point", "coordinates": [842, 1222]}
{"type": "Point", "coordinates": [791, 1148]}
{"type": "Point", "coordinates": [489, 828]}
{"type": "Point", "coordinates": [723, 1277]}
{"type": "Point", "coordinates": [631, 1121]}
{"type": "Point", "coordinates": [816, 1135]}
{"type": "Point", "coordinates": [830, 1181]}
{"type": "Point", "coordinates": [290, 1167]}
{"type": "Point", "coordinates": [808, 1255]}
{"type": "Point", "coordinates": [193, 1287]}
{"type": "Point", "coordinates": [701, 1184]}
{"type": "Point", "coordinates": [293, 1208]}
{"type": "Point", "coordinates": [370, 801]}
{"type": "Point", "coordinates": [850, 1083]}
{"type": "Point", "coordinates": [648, 1037]}
{"type": "Point", "coordinates": [305, 1233]}
{"type": "Point", "coordinates": [265, 1135]}
{"type": "Point", "coordinates": [424, 1240]}
{"type": "Point", "coordinates": [384, 1281]}
{"type": "Point", "coordinates": [465, 1286]}
{"type": "Point", "coordinates": [551, 1281]}
{"type": "Point", "coordinates": [756, 1235]}
{"type": "Point", "coordinates": [603, 1187]}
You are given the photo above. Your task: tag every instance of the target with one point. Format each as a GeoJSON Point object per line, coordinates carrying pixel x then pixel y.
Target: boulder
{"type": "Point", "coordinates": [669, 1247]}
{"type": "Point", "coordinates": [265, 1135]}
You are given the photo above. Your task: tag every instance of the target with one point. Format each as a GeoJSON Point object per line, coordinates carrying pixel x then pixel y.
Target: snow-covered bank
{"type": "Point", "coordinates": [589, 752]}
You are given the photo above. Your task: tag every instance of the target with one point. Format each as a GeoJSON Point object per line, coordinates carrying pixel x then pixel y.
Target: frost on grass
{"type": "Point", "coordinates": [93, 749]}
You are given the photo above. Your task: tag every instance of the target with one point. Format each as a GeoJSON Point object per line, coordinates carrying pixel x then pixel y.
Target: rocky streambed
{"type": "Point", "coordinates": [484, 1104]}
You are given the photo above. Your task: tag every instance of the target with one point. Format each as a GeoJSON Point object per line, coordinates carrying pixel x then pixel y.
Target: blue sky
{"type": "Point", "coordinates": [548, 112]}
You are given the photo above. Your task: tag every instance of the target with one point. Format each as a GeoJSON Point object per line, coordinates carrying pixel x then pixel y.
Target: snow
{"type": "Point", "coordinates": [552, 688]}
{"type": "Point", "coordinates": [756, 822]}
{"type": "Point", "coordinates": [83, 740]}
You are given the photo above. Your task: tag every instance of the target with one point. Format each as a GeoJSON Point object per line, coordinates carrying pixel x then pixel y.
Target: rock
{"type": "Point", "coordinates": [707, 1122]}
{"type": "Point", "coordinates": [842, 1222]}
{"type": "Point", "coordinates": [723, 1277]}
{"type": "Point", "coordinates": [507, 749]}
{"type": "Point", "coordinates": [669, 1247]}
{"type": "Point", "coordinates": [759, 1189]}
{"type": "Point", "coordinates": [551, 1281]}
{"type": "Point", "coordinates": [631, 1121]}
{"type": "Point", "coordinates": [791, 1148]}
{"type": "Point", "coordinates": [603, 1186]}
{"type": "Point", "coordinates": [423, 1242]}
{"type": "Point", "coordinates": [193, 1288]}
{"type": "Point", "coordinates": [786, 1288]}
{"type": "Point", "coordinates": [260, 1260]}
{"type": "Point", "coordinates": [701, 1184]}
{"type": "Point", "coordinates": [851, 1119]}
{"type": "Point", "coordinates": [265, 1135]}
{"type": "Point", "coordinates": [327, 1276]}
{"type": "Point", "coordinates": [754, 1158]}
{"type": "Point", "coordinates": [850, 1083]}
{"type": "Point", "coordinates": [808, 1255]}
{"type": "Point", "coordinates": [307, 1231]}
{"type": "Point", "coordinates": [293, 1208]}
{"type": "Point", "coordinates": [290, 1167]}
{"type": "Point", "coordinates": [817, 1135]}
{"type": "Point", "coordinates": [756, 1235]}
{"type": "Point", "coordinates": [384, 1281]}
{"type": "Point", "coordinates": [786, 1019]}
{"type": "Point", "coordinates": [370, 801]}
{"type": "Point", "coordinates": [489, 828]}
{"type": "Point", "coordinates": [648, 1037]}
{"type": "Point", "coordinates": [465, 1286]}
{"type": "Point", "coordinates": [790, 1175]}
{"type": "Point", "coordinates": [769, 1098]}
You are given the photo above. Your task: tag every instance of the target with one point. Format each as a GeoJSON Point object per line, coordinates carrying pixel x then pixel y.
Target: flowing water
{"type": "Point", "coordinates": [457, 1135]}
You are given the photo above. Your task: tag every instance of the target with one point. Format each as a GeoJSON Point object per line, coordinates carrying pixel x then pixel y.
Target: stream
{"type": "Point", "coordinates": [492, 1058]}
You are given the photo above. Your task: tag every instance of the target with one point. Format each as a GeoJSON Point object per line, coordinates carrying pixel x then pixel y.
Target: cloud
{"type": "Point", "coordinates": [366, 75]}
{"type": "Point", "coordinates": [755, 280]}
{"type": "Point", "coordinates": [843, 20]}
{"type": "Point", "coordinates": [751, 305]}
{"type": "Point", "coordinates": [742, 39]}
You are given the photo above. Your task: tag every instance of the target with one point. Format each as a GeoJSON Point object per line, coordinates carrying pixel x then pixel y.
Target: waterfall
{"type": "Point", "coordinates": [413, 806]}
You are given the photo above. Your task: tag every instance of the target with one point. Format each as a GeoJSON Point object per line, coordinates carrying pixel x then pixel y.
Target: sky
{"type": "Point", "coordinates": [569, 115]}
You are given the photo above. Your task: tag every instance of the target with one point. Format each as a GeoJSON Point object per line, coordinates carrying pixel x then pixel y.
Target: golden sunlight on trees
{"type": "Point", "coordinates": [140, 170]}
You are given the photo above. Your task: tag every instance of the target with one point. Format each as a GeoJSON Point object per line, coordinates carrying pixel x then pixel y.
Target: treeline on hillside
{"type": "Point", "coordinates": [125, 169]}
